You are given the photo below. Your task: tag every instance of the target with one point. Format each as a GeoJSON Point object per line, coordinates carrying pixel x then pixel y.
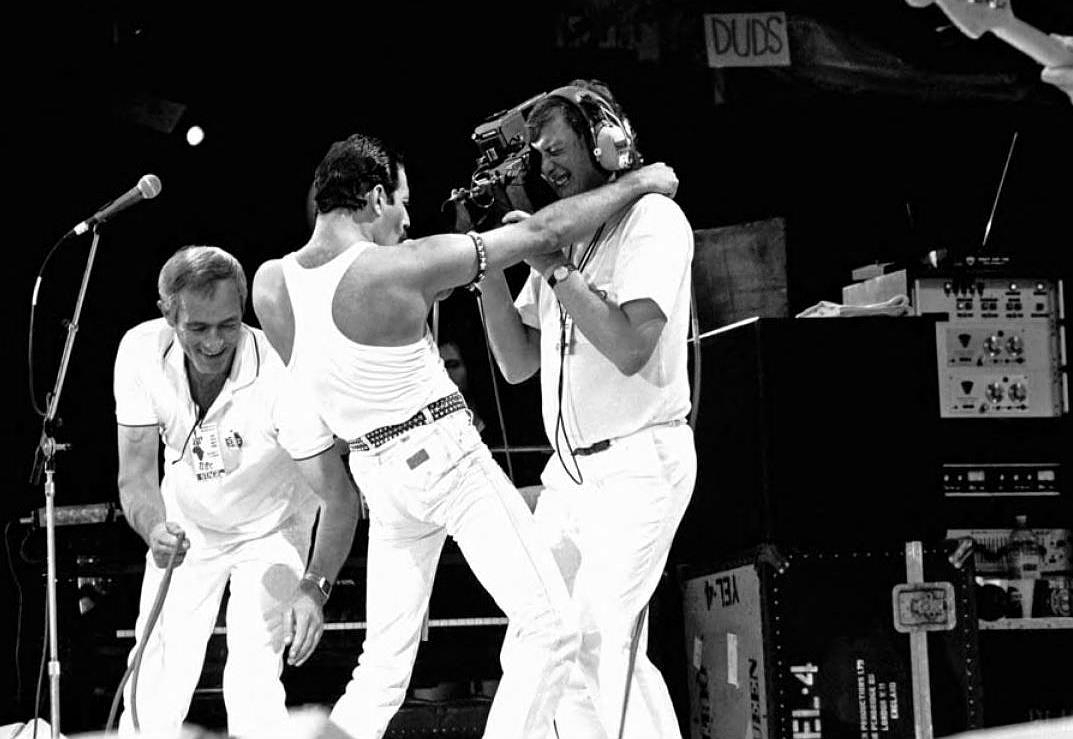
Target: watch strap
{"type": "Point", "coordinates": [553, 280]}
{"type": "Point", "coordinates": [320, 582]}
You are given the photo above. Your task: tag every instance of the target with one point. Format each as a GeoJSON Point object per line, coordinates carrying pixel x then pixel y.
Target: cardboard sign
{"type": "Point", "coordinates": [747, 39]}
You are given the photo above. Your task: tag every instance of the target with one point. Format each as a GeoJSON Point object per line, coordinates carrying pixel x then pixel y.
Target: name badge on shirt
{"type": "Point", "coordinates": [206, 454]}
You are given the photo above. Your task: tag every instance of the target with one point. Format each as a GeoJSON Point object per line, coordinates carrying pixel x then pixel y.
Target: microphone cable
{"type": "Point", "coordinates": [134, 668]}
{"type": "Point", "coordinates": [495, 387]}
{"type": "Point", "coordinates": [30, 332]}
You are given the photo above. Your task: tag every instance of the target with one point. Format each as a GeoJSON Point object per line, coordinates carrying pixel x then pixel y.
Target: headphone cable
{"type": "Point", "coordinates": [560, 426]}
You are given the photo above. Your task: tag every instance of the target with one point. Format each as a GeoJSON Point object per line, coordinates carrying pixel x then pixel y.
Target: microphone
{"type": "Point", "coordinates": [148, 187]}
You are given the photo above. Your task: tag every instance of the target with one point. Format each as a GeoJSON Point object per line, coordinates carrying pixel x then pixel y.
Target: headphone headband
{"type": "Point", "coordinates": [612, 136]}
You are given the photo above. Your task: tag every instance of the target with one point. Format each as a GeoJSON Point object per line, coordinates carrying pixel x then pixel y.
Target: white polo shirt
{"type": "Point", "coordinates": [232, 473]}
{"type": "Point", "coordinates": [646, 251]}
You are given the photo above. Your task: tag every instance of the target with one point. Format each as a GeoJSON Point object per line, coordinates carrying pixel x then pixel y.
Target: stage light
{"type": "Point", "coordinates": [195, 135]}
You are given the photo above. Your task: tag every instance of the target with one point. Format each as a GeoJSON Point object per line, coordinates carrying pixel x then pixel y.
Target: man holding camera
{"type": "Point", "coordinates": [348, 313]}
{"type": "Point", "coordinates": [605, 321]}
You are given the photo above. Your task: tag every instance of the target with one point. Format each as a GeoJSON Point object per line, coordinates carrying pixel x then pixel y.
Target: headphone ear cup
{"type": "Point", "coordinates": [613, 147]}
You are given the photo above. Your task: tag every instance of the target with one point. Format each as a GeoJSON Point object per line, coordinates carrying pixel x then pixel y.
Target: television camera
{"type": "Point", "coordinates": [507, 174]}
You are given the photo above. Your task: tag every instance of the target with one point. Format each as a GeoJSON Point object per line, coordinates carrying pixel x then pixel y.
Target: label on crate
{"type": "Point", "coordinates": [877, 702]}
{"type": "Point", "coordinates": [924, 606]}
{"type": "Point", "coordinates": [805, 716]}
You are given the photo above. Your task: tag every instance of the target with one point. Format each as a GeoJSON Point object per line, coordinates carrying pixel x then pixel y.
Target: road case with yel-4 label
{"type": "Point", "coordinates": [824, 645]}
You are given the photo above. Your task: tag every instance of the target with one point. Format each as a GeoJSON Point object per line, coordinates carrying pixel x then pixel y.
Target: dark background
{"type": "Point", "coordinates": [863, 166]}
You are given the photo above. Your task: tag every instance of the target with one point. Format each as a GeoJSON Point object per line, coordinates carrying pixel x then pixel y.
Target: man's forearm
{"type": "Point", "coordinates": [142, 510]}
{"type": "Point", "coordinates": [575, 217]}
{"type": "Point", "coordinates": [335, 536]}
{"type": "Point", "coordinates": [514, 345]}
{"type": "Point", "coordinates": [565, 221]}
{"type": "Point", "coordinates": [607, 325]}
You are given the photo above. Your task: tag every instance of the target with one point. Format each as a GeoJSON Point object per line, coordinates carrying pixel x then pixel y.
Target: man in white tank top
{"type": "Point", "coordinates": [348, 314]}
{"type": "Point", "coordinates": [605, 321]}
{"type": "Point", "coordinates": [246, 465]}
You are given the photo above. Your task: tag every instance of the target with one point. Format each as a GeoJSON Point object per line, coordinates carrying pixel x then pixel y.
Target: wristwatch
{"type": "Point", "coordinates": [322, 584]}
{"type": "Point", "coordinates": [560, 273]}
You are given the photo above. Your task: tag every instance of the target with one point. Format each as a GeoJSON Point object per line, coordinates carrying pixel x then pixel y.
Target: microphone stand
{"type": "Point", "coordinates": [45, 461]}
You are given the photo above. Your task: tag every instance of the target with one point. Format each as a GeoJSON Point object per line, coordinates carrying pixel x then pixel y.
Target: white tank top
{"type": "Point", "coordinates": [356, 387]}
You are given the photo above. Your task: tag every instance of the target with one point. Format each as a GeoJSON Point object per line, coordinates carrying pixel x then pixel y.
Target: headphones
{"type": "Point", "coordinates": [612, 135]}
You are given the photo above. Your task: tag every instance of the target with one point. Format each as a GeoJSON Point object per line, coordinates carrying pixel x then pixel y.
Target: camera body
{"type": "Point", "coordinates": [507, 174]}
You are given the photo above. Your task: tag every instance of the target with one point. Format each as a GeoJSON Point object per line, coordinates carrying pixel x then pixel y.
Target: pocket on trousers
{"type": "Point", "coordinates": [420, 467]}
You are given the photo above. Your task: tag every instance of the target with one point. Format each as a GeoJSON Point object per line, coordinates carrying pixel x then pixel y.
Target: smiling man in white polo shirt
{"type": "Point", "coordinates": [246, 466]}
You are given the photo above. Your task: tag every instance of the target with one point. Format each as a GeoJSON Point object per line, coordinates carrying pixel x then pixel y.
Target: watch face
{"type": "Point", "coordinates": [561, 272]}
{"type": "Point", "coordinates": [321, 583]}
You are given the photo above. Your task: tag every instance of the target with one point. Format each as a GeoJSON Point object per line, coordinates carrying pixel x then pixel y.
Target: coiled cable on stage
{"type": "Point", "coordinates": [134, 668]}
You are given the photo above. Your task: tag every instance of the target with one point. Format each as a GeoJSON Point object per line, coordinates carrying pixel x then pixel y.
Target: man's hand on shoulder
{"type": "Point", "coordinates": [656, 177]}
{"type": "Point", "coordinates": [1061, 76]}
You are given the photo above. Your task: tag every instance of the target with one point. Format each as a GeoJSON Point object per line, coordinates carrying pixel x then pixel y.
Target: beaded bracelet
{"type": "Point", "coordinates": [482, 260]}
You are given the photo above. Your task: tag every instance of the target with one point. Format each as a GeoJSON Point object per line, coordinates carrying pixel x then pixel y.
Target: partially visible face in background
{"type": "Point", "coordinates": [452, 361]}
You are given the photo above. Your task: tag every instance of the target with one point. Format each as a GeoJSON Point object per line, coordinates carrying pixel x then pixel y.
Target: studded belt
{"type": "Point", "coordinates": [434, 411]}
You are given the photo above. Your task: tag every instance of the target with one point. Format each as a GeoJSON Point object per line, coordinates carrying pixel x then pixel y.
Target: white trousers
{"type": "Point", "coordinates": [263, 574]}
{"type": "Point", "coordinates": [440, 480]}
{"type": "Point", "coordinates": [610, 536]}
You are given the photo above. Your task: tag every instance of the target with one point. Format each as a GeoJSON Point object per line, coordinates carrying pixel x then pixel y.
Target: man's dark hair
{"type": "Point", "coordinates": [350, 169]}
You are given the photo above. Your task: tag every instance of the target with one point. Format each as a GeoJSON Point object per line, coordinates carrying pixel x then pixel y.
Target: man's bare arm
{"type": "Point", "coordinates": [340, 509]}
{"type": "Point", "coordinates": [515, 345]}
{"type": "Point", "coordinates": [139, 493]}
{"type": "Point", "coordinates": [438, 263]}
{"type": "Point", "coordinates": [304, 622]}
{"type": "Point", "coordinates": [272, 306]}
